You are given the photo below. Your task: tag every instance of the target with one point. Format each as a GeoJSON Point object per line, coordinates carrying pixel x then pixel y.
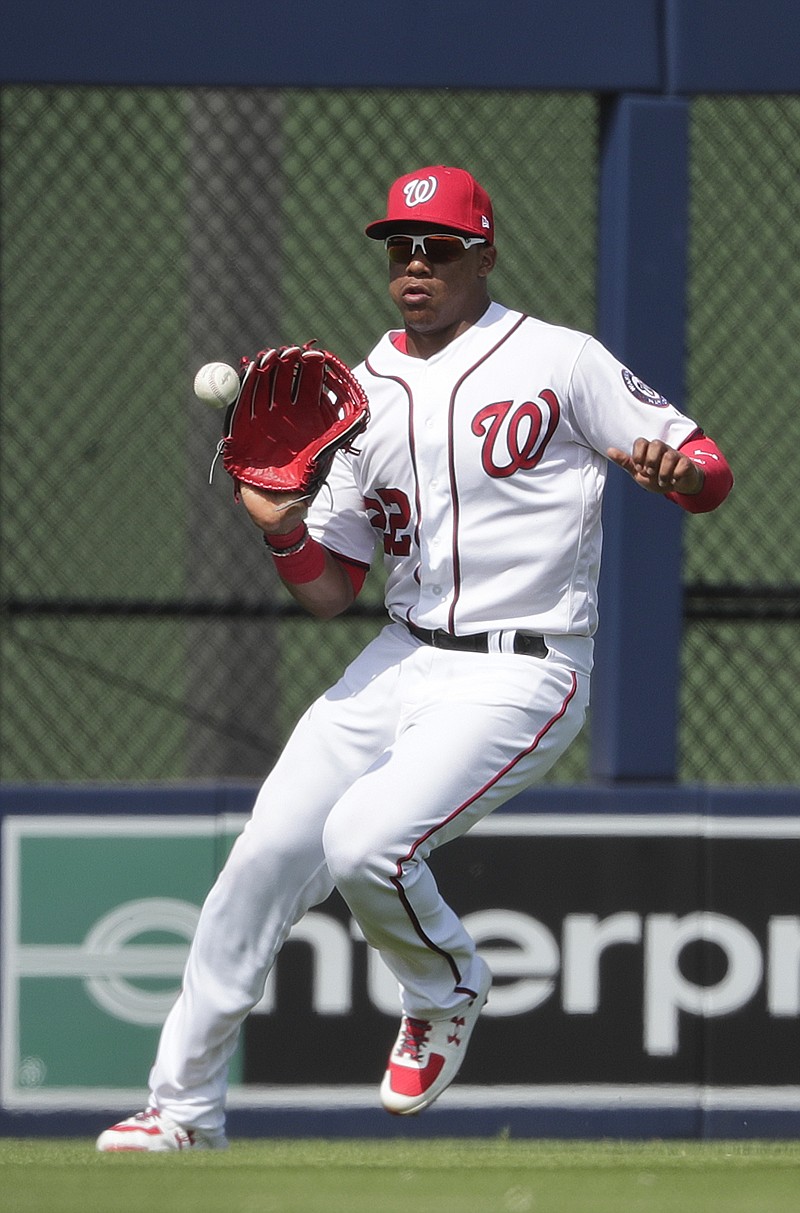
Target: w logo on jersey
{"type": "Point", "coordinates": [515, 440]}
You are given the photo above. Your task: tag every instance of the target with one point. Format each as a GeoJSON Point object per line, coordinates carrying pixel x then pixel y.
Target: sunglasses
{"type": "Point", "coordinates": [440, 248]}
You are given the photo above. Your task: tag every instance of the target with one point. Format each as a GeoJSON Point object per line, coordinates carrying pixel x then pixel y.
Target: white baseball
{"type": "Point", "coordinates": [216, 384]}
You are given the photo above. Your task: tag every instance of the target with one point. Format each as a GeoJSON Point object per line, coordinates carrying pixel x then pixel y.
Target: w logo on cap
{"type": "Point", "coordinates": [420, 190]}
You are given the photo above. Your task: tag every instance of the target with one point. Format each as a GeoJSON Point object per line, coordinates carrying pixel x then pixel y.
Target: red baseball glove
{"type": "Point", "coordinates": [296, 408]}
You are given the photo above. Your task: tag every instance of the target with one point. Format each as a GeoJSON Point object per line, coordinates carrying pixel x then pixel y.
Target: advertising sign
{"type": "Point", "coordinates": [637, 960]}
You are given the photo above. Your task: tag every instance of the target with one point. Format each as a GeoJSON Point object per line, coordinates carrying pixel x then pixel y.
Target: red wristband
{"type": "Point", "coordinates": [298, 558]}
{"type": "Point", "coordinates": [291, 541]}
{"type": "Point", "coordinates": [717, 478]}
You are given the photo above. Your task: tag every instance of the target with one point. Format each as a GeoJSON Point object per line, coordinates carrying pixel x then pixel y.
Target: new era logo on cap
{"type": "Point", "coordinates": [438, 195]}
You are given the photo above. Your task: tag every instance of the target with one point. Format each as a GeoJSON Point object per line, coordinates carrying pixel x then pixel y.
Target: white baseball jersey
{"type": "Point", "coordinates": [482, 472]}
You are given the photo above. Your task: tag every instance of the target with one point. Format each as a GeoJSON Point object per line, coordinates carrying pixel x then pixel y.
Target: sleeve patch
{"type": "Point", "coordinates": [642, 392]}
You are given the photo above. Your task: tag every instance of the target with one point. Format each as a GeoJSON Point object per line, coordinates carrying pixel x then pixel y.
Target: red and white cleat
{"type": "Point", "coordinates": [428, 1054]}
{"type": "Point", "coordinates": [155, 1132]}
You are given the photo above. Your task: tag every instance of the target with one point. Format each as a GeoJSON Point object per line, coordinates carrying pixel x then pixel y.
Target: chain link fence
{"type": "Point", "coordinates": [145, 635]}
{"type": "Point", "coordinates": [741, 656]}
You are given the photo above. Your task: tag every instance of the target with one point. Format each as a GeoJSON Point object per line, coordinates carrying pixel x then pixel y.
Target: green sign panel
{"type": "Point", "coordinates": [97, 914]}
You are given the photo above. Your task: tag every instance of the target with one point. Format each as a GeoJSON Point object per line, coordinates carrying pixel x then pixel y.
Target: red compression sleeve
{"type": "Point", "coordinates": [298, 558]}
{"type": "Point", "coordinates": [718, 477]}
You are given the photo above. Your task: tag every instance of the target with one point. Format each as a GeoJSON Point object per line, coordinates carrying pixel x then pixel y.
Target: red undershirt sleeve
{"type": "Point", "coordinates": [355, 571]}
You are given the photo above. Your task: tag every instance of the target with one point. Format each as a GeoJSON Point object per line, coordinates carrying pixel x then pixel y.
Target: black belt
{"type": "Point", "coordinates": [526, 643]}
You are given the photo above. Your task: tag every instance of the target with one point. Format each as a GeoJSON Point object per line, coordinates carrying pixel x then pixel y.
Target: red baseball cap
{"type": "Point", "coordinates": [444, 197]}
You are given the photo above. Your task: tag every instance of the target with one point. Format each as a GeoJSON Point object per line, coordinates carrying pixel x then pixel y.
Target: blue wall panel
{"type": "Point", "coordinates": [680, 46]}
{"type": "Point", "coordinates": [541, 44]}
{"type": "Point", "coordinates": [722, 46]}
{"type": "Point", "coordinates": [642, 266]}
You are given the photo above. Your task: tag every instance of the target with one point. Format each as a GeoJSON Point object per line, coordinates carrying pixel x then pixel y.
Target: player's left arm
{"type": "Point", "coordinates": [696, 475]}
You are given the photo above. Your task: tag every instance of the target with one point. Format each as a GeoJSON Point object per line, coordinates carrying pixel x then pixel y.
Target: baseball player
{"type": "Point", "coordinates": [480, 478]}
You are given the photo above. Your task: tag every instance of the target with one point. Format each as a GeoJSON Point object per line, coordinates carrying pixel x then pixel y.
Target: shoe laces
{"type": "Point", "coordinates": [414, 1038]}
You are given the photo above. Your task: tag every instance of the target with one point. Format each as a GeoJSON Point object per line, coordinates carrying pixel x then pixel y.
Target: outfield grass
{"type": "Point", "coordinates": [464, 1176]}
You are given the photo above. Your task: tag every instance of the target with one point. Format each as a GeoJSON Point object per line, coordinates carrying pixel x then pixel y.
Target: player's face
{"type": "Point", "coordinates": [439, 300]}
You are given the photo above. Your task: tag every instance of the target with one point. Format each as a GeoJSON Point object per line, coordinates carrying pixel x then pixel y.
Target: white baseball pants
{"type": "Point", "coordinates": [407, 751]}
